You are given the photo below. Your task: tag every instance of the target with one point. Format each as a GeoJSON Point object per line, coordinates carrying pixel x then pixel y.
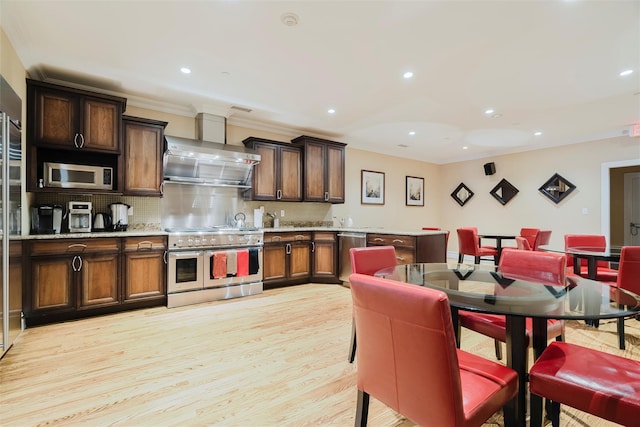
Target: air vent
{"type": "Point", "coordinates": [245, 110]}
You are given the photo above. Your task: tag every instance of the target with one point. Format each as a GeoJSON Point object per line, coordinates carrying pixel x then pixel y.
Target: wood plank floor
{"type": "Point", "coordinates": [275, 359]}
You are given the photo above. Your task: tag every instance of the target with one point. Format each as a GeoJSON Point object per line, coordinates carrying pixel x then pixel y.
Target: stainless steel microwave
{"type": "Point", "coordinates": [65, 175]}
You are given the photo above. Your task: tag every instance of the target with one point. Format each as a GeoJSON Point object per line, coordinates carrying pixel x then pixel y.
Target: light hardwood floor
{"type": "Point", "coordinates": [275, 359]}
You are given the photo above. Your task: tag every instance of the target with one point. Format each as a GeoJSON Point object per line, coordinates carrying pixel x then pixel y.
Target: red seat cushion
{"type": "Point", "coordinates": [495, 325]}
{"type": "Point", "coordinates": [591, 381]}
{"type": "Point", "coordinates": [603, 274]}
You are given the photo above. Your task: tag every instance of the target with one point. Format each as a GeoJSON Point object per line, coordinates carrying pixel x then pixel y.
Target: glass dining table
{"type": "Point", "coordinates": [482, 288]}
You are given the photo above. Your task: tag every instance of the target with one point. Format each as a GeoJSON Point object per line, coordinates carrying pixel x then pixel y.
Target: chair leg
{"type": "Point", "coordinates": [554, 414]}
{"type": "Point", "coordinates": [352, 350]}
{"type": "Point", "coordinates": [362, 410]}
{"type": "Point", "coordinates": [498, 349]}
{"type": "Point", "coordinates": [460, 258]}
{"type": "Point", "coordinates": [535, 403]}
{"type": "Point", "coordinates": [476, 260]}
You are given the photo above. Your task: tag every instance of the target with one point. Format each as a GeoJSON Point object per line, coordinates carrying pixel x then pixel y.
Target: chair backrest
{"type": "Point", "coordinates": [468, 241]}
{"type": "Point", "coordinates": [529, 234]}
{"type": "Point", "coordinates": [544, 267]}
{"type": "Point", "coordinates": [596, 241]}
{"type": "Point", "coordinates": [542, 239]}
{"type": "Point", "coordinates": [629, 269]}
{"type": "Point", "coordinates": [368, 260]}
{"type": "Point", "coordinates": [522, 243]}
{"type": "Point", "coordinates": [407, 355]}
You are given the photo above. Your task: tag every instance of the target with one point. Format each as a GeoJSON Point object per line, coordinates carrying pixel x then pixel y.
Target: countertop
{"type": "Point", "coordinates": [156, 232]}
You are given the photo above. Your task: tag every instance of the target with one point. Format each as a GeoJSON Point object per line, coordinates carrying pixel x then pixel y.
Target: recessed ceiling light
{"type": "Point", "coordinates": [331, 111]}
{"type": "Point", "coordinates": [186, 70]}
{"type": "Point", "coordinates": [412, 132]}
{"type": "Point", "coordinates": [489, 111]}
{"type": "Point", "coordinates": [465, 148]}
{"type": "Point", "coordinates": [408, 74]}
{"type": "Point", "coordinates": [538, 133]}
{"type": "Point", "coordinates": [626, 73]}
{"type": "Point", "coordinates": [289, 19]}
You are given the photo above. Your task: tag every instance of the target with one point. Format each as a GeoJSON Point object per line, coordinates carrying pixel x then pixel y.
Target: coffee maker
{"type": "Point", "coordinates": [79, 217]}
{"type": "Point", "coordinates": [46, 219]}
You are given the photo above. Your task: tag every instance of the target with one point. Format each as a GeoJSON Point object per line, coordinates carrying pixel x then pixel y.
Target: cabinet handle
{"type": "Point", "coordinates": [77, 245]}
{"type": "Point", "coordinates": [162, 187]}
{"type": "Point", "coordinates": [288, 249]}
{"type": "Point", "coordinates": [75, 140]}
{"type": "Point", "coordinates": [81, 140]}
{"type": "Point", "coordinates": [400, 258]}
{"type": "Point", "coordinates": [299, 237]}
{"type": "Point", "coordinates": [398, 241]}
{"type": "Point", "coordinates": [164, 256]}
{"type": "Point", "coordinates": [377, 239]}
{"type": "Point", "coordinates": [80, 259]}
{"type": "Point", "coordinates": [326, 196]}
{"type": "Point", "coordinates": [313, 246]}
{"type": "Point", "coordinates": [278, 194]}
{"type": "Point", "coordinates": [278, 238]}
{"type": "Point", "coordinates": [145, 244]}
{"type": "Point", "coordinates": [73, 263]}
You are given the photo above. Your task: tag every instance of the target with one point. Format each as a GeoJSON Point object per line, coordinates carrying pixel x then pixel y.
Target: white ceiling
{"type": "Point", "coordinates": [550, 66]}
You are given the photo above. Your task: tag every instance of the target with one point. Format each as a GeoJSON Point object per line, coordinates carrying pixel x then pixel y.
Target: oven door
{"type": "Point", "coordinates": [185, 271]}
{"type": "Point", "coordinates": [232, 266]}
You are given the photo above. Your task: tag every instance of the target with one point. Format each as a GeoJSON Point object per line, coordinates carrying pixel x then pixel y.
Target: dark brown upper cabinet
{"type": "Point", "coordinates": [323, 169]}
{"type": "Point", "coordinates": [143, 151]}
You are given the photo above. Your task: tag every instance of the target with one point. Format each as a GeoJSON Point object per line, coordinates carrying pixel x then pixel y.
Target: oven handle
{"type": "Point", "coordinates": [185, 254]}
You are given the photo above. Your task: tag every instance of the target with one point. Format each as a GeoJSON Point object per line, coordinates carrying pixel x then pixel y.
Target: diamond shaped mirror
{"type": "Point", "coordinates": [556, 188]}
{"type": "Point", "coordinates": [462, 194]}
{"type": "Point", "coordinates": [504, 191]}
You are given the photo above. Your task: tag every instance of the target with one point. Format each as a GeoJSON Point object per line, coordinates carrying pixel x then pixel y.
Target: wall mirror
{"type": "Point", "coordinates": [462, 194]}
{"type": "Point", "coordinates": [556, 188]}
{"type": "Point", "coordinates": [504, 191]}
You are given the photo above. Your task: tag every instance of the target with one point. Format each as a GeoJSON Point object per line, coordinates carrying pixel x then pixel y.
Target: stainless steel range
{"type": "Point", "coordinates": [213, 263]}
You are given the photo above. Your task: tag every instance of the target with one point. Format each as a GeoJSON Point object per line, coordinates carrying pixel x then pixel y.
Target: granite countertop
{"type": "Point", "coordinates": [133, 231]}
{"type": "Point", "coordinates": [376, 230]}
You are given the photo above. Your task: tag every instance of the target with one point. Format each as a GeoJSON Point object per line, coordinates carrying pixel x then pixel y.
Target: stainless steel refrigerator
{"type": "Point", "coordinates": [10, 209]}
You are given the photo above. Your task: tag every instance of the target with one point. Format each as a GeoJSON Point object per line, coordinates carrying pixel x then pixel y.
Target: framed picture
{"type": "Point", "coordinates": [372, 188]}
{"type": "Point", "coordinates": [415, 191]}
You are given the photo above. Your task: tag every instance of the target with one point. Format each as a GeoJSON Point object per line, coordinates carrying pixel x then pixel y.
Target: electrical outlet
{"type": "Point", "coordinates": [282, 213]}
{"type": "Point", "coordinates": [585, 211]}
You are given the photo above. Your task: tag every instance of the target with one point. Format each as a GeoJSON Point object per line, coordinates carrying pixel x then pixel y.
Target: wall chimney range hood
{"type": "Point", "coordinates": [208, 160]}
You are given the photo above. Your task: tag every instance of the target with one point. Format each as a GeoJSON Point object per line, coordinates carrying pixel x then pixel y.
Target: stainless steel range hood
{"type": "Point", "coordinates": [204, 162]}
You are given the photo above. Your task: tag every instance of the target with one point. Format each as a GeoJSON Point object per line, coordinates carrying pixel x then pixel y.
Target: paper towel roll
{"type": "Point", "coordinates": [257, 218]}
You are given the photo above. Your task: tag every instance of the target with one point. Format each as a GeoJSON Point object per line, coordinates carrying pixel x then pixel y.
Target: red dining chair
{"type": "Point", "coordinates": [407, 358]}
{"type": "Point", "coordinates": [589, 380]}
{"type": "Point", "coordinates": [629, 279]}
{"type": "Point", "coordinates": [529, 234]}
{"type": "Point", "coordinates": [368, 260]}
{"type": "Point", "coordinates": [446, 241]}
{"type": "Point", "coordinates": [522, 244]}
{"type": "Point", "coordinates": [469, 244]}
{"type": "Point", "coordinates": [542, 267]}
{"type": "Point", "coordinates": [542, 239]}
{"type": "Point", "coordinates": [603, 271]}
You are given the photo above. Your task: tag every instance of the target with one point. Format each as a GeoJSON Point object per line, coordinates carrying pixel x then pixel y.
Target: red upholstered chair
{"type": "Point", "coordinates": [529, 234]}
{"type": "Point", "coordinates": [522, 244]}
{"type": "Point", "coordinates": [629, 279]}
{"type": "Point", "coordinates": [407, 358]}
{"type": "Point", "coordinates": [542, 267]}
{"type": "Point", "coordinates": [542, 239]}
{"type": "Point", "coordinates": [469, 244]}
{"type": "Point", "coordinates": [599, 243]}
{"type": "Point", "coordinates": [368, 260]}
{"type": "Point", "coordinates": [438, 229]}
{"type": "Point", "coordinates": [589, 380]}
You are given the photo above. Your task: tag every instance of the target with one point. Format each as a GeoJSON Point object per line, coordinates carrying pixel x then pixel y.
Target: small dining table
{"type": "Point", "coordinates": [592, 255]}
{"type": "Point", "coordinates": [483, 288]}
{"type": "Point", "coordinates": [498, 238]}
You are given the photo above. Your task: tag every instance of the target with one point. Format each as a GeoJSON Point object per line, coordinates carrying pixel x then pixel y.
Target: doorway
{"type": "Point", "coordinates": [605, 174]}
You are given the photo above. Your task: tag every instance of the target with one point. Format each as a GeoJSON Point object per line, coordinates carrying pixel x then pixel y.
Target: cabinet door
{"type": "Point", "coordinates": [56, 118]}
{"type": "Point", "coordinates": [314, 172]}
{"type": "Point", "coordinates": [299, 260]}
{"type": "Point", "coordinates": [324, 260]}
{"type": "Point", "coordinates": [335, 174]}
{"type": "Point", "coordinates": [143, 149]}
{"type": "Point", "coordinates": [265, 173]}
{"type": "Point", "coordinates": [290, 174]}
{"type": "Point", "coordinates": [145, 275]}
{"type": "Point", "coordinates": [52, 284]}
{"type": "Point", "coordinates": [98, 280]}
{"type": "Point", "coordinates": [101, 125]}
{"type": "Point", "coordinates": [275, 262]}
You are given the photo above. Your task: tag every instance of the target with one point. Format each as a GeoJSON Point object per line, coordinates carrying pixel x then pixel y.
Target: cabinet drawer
{"type": "Point", "coordinates": [324, 236]}
{"type": "Point", "coordinates": [405, 256]}
{"type": "Point", "coordinates": [144, 243]}
{"type": "Point", "coordinates": [391, 239]}
{"type": "Point", "coordinates": [74, 246]}
{"type": "Point", "coordinates": [286, 237]}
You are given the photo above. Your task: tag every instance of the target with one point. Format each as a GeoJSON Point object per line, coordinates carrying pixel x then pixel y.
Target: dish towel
{"type": "Point", "coordinates": [243, 262]}
{"type": "Point", "coordinates": [254, 267]}
{"type": "Point", "coordinates": [219, 265]}
{"type": "Point", "coordinates": [232, 263]}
